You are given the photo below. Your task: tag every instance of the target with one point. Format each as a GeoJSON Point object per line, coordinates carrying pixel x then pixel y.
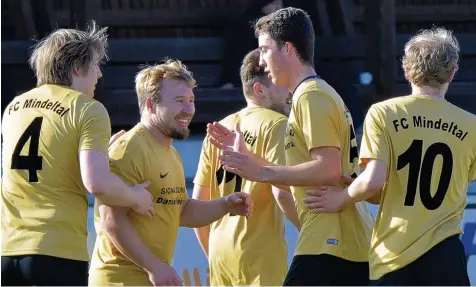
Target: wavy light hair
{"type": "Point", "coordinates": [55, 57]}
{"type": "Point", "coordinates": [431, 57]}
{"type": "Point", "coordinates": [148, 80]}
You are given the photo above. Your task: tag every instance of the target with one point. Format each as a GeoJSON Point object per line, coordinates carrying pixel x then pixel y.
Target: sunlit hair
{"type": "Point", "coordinates": [55, 57]}
{"type": "Point", "coordinates": [148, 80]}
{"type": "Point", "coordinates": [431, 57]}
{"type": "Point", "coordinates": [251, 72]}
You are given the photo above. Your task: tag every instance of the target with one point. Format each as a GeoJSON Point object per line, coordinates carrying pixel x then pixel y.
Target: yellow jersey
{"type": "Point", "coordinates": [136, 157]}
{"type": "Point", "coordinates": [319, 118]}
{"type": "Point", "coordinates": [429, 146]}
{"type": "Point", "coordinates": [247, 251]}
{"type": "Point", "coordinates": [44, 202]}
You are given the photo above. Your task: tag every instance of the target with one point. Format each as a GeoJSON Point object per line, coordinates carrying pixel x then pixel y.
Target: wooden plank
{"type": "Point", "coordinates": [167, 17]}
{"type": "Point", "coordinates": [323, 17]}
{"type": "Point", "coordinates": [347, 16]}
{"type": "Point", "coordinates": [427, 13]}
{"type": "Point", "coordinates": [211, 48]}
{"type": "Point", "coordinates": [123, 107]}
{"type": "Point", "coordinates": [136, 51]}
{"type": "Point", "coordinates": [380, 45]}
{"type": "Point", "coordinates": [122, 77]}
{"type": "Point", "coordinates": [460, 94]}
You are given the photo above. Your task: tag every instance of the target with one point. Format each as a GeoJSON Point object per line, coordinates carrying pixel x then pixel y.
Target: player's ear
{"type": "Point", "coordinates": [258, 90]}
{"type": "Point", "coordinates": [149, 104]}
{"type": "Point", "coordinates": [450, 79]}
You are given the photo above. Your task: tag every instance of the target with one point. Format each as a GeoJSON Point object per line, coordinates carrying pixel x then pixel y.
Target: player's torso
{"type": "Point", "coordinates": [433, 144]}
{"type": "Point", "coordinates": [146, 160]}
{"type": "Point", "coordinates": [345, 234]}
{"type": "Point", "coordinates": [260, 239]}
{"type": "Point", "coordinates": [41, 176]}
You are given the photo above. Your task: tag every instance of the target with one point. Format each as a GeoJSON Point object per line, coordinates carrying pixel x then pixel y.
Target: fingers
{"type": "Point", "coordinates": [145, 184]}
{"type": "Point", "coordinates": [217, 144]}
{"type": "Point", "coordinates": [316, 192]}
{"type": "Point", "coordinates": [215, 133]}
{"type": "Point", "coordinates": [237, 128]}
{"type": "Point", "coordinates": [177, 282]}
{"type": "Point", "coordinates": [116, 136]}
{"type": "Point", "coordinates": [222, 129]}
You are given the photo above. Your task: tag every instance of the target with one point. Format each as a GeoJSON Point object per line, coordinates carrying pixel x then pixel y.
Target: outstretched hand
{"type": "Point", "coordinates": [224, 139]}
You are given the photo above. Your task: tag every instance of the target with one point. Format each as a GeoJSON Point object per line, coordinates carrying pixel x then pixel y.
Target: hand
{"type": "Point", "coordinates": [144, 201]}
{"type": "Point", "coordinates": [242, 164]}
{"type": "Point", "coordinates": [116, 136]}
{"type": "Point", "coordinates": [327, 199]}
{"type": "Point", "coordinates": [224, 139]}
{"type": "Point", "coordinates": [239, 203]}
{"type": "Point", "coordinates": [164, 275]}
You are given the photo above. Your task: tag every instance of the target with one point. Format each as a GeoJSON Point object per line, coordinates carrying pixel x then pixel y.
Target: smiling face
{"type": "Point", "coordinates": [173, 114]}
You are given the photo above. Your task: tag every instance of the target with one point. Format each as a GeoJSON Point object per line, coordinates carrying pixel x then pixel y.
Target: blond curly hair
{"type": "Point", "coordinates": [431, 57]}
{"type": "Point", "coordinates": [148, 80]}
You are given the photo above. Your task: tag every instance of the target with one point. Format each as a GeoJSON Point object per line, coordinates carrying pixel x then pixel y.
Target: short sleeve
{"type": "Point", "coordinates": [202, 177]}
{"type": "Point", "coordinates": [318, 115]}
{"type": "Point", "coordinates": [374, 140]}
{"type": "Point", "coordinates": [274, 151]}
{"type": "Point", "coordinates": [95, 128]}
{"type": "Point", "coordinates": [472, 171]}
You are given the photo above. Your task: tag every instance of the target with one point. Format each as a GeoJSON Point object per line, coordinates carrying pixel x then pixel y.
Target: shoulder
{"type": "Point", "coordinates": [131, 144]}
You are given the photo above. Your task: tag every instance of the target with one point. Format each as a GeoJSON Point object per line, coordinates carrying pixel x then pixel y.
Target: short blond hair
{"type": "Point", "coordinates": [431, 57]}
{"type": "Point", "coordinates": [56, 56]}
{"type": "Point", "coordinates": [148, 80]}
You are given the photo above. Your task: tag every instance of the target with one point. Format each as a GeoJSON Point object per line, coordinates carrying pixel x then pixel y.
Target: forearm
{"type": "Point", "coordinates": [285, 202]}
{"type": "Point", "coordinates": [127, 241]}
{"type": "Point", "coordinates": [311, 173]}
{"type": "Point", "coordinates": [115, 192]}
{"type": "Point", "coordinates": [364, 188]}
{"type": "Point", "coordinates": [203, 236]}
{"type": "Point", "coordinates": [198, 213]}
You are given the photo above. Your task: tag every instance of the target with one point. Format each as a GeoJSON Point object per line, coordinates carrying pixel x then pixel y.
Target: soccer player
{"type": "Point", "coordinates": [419, 154]}
{"type": "Point", "coordinates": [55, 142]}
{"type": "Point", "coordinates": [320, 148]}
{"type": "Point", "coordinates": [240, 251]}
{"type": "Point", "coordinates": [131, 250]}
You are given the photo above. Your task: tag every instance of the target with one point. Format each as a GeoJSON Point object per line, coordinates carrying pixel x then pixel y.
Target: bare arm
{"type": "Point", "coordinates": [115, 222]}
{"type": "Point", "coordinates": [106, 186]}
{"type": "Point", "coordinates": [369, 183]}
{"type": "Point", "coordinates": [203, 233]}
{"type": "Point", "coordinates": [285, 201]}
{"type": "Point", "coordinates": [323, 169]}
{"type": "Point", "coordinates": [198, 213]}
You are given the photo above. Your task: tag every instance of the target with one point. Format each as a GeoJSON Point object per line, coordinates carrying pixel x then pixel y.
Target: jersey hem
{"type": "Point", "coordinates": [27, 252]}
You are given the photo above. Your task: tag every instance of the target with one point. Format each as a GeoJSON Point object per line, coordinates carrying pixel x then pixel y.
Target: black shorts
{"type": "Point", "coordinates": [28, 270]}
{"type": "Point", "coordinates": [443, 265]}
{"type": "Point", "coordinates": [324, 269]}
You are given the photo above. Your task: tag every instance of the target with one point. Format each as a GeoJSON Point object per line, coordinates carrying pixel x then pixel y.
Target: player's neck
{"type": "Point", "coordinates": [299, 73]}
{"type": "Point", "coordinates": [430, 91]}
{"type": "Point", "coordinates": [157, 134]}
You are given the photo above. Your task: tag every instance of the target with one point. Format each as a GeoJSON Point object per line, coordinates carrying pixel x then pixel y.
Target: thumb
{"type": "Point", "coordinates": [237, 128]}
{"type": "Point", "coordinates": [145, 184]}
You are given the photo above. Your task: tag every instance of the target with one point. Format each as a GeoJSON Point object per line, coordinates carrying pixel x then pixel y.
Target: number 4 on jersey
{"type": "Point", "coordinates": [32, 162]}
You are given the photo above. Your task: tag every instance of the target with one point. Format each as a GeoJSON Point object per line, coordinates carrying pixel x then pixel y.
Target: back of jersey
{"type": "Point", "coordinates": [430, 147]}
{"type": "Point", "coordinates": [44, 201]}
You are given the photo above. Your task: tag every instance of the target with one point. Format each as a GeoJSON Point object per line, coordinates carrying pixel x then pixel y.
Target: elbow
{"type": "Point", "coordinates": [374, 186]}
{"type": "Point", "coordinates": [332, 177]}
{"type": "Point", "coordinates": [97, 187]}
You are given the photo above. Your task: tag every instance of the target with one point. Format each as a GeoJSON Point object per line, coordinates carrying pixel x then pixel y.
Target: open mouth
{"type": "Point", "coordinates": [183, 122]}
